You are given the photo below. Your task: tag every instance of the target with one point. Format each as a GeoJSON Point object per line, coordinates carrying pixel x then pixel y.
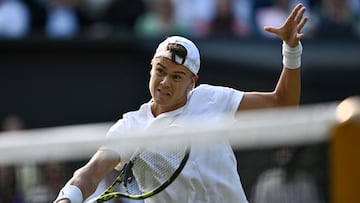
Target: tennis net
{"type": "Point", "coordinates": [263, 141]}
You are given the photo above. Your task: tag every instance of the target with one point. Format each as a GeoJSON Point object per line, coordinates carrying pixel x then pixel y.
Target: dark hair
{"type": "Point", "coordinates": [177, 49]}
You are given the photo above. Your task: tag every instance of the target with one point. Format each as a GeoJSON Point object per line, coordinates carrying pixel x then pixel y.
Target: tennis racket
{"type": "Point", "coordinates": [147, 173]}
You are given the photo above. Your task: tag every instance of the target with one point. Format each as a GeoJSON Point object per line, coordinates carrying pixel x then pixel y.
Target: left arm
{"type": "Point", "coordinates": [287, 91]}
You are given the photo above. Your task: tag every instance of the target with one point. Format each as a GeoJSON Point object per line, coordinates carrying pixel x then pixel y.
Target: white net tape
{"type": "Point", "coordinates": [253, 129]}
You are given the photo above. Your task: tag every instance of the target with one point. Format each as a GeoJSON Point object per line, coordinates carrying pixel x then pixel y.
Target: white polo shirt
{"type": "Point", "coordinates": [210, 175]}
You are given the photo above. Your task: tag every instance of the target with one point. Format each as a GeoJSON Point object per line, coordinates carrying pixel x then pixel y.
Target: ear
{"type": "Point", "coordinates": [193, 82]}
{"type": "Point", "coordinates": [194, 79]}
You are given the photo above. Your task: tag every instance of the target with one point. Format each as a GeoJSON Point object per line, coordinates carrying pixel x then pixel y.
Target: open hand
{"type": "Point", "coordinates": [290, 30]}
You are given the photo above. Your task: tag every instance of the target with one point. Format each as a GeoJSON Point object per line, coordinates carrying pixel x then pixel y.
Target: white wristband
{"type": "Point", "coordinates": [292, 56]}
{"type": "Point", "coordinates": [70, 192]}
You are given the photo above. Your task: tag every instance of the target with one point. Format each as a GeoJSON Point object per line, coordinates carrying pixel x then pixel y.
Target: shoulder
{"type": "Point", "coordinates": [217, 98]}
{"type": "Point", "coordinates": [217, 93]}
{"type": "Point", "coordinates": [206, 89]}
{"type": "Point", "coordinates": [142, 111]}
{"type": "Point", "coordinates": [204, 92]}
{"type": "Point", "coordinates": [131, 118]}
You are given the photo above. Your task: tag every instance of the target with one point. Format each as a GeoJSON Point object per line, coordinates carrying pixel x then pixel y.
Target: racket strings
{"type": "Point", "coordinates": [152, 169]}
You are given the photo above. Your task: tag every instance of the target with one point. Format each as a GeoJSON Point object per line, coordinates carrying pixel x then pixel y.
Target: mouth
{"type": "Point", "coordinates": [161, 92]}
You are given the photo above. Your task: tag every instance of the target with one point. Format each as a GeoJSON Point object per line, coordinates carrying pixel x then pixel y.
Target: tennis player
{"type": "Point", "coordinates": [210, 175]}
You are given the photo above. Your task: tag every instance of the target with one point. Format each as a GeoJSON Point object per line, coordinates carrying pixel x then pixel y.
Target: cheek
{"type": "Point", "coordinates": [151, 83]}
{"type": "Point", "coordinates": [183, 90]}
{"type": "Point", "coordinates": [189, 86]}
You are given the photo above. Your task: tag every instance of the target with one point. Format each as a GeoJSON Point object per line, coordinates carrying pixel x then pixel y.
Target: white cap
{"type": "Point", "coordinates": [192, 60]}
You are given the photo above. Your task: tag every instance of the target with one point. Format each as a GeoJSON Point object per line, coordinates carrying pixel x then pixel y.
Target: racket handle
{"type": "Point", "coordinates": [128, 173]}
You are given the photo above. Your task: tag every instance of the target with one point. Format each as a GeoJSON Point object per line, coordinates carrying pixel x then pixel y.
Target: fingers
{"type": "Point", "coordinates": [290, 30]}
{"type": "Point", "coordinates": [300, 15]}
{"type": "Point", "coordinates": [298, 18]}
{"type": "Point", "coordinates": [300, 26]}
{"type": "Point", "coordinates": [302, 23]}
{"type": "Point", "coordinates": [300, 35]}
{"type": "Point", "coordinates": [295, 12]}
{"type": "Point", "coordinates": [271, 29]}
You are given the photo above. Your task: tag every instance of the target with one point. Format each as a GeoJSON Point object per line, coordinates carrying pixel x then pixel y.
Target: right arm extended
{"type": "Point", "coordinates": [89, 176]}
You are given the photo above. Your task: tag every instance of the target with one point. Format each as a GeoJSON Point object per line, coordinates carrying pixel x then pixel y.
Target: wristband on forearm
{"type": "Point", "coordinates": [70, 192]}
{"type": "Point", "coordinates": [291, 56]}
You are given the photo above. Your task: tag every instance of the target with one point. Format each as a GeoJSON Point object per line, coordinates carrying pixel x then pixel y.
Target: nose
{"type": "Point", "coordinates": [165, 81]}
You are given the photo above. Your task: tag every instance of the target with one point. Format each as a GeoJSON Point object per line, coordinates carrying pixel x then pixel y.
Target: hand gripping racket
{"type": "Point", "coordinates": [147, 173]}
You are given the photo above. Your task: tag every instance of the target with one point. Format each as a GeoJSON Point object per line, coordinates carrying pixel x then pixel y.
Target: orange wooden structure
{"type": "Point", "coordinates": [344, 153]}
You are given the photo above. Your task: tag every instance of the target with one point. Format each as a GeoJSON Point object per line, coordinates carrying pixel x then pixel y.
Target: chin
{"type": "Point", "coordinates": [160, 101]}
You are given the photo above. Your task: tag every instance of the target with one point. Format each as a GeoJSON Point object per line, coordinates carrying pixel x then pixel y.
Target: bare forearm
{"type": "Point", "coordinates": [288, 88]}
{"type": "Point", "coordinates": [82, 181]}
{"type": "Point", "coordinates": [85, 180]}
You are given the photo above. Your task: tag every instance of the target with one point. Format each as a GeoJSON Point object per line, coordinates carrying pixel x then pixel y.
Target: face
{"type": "Point", "coordinates": [169, 85]}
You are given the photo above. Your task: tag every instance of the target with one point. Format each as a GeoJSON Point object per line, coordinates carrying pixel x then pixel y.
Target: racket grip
{"type": "Point", "coordinates": [128, 172]}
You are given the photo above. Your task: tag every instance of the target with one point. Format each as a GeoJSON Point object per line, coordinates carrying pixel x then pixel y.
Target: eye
{"type": "Point", "coordinates": [177, 77]}
{"type": "Point", "coordinates": [160, 71]}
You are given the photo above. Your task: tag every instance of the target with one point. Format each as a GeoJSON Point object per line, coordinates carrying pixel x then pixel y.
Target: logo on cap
{"type": "Point", "coordinates": [190, 59]}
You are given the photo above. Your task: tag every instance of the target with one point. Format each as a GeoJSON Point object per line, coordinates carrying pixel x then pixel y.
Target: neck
{"type": "Point", "coordinates": [157, 109]}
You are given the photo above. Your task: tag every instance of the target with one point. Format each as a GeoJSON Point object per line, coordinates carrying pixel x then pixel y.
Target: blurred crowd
{"type": "Point", "coordinates": [94, 19]}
